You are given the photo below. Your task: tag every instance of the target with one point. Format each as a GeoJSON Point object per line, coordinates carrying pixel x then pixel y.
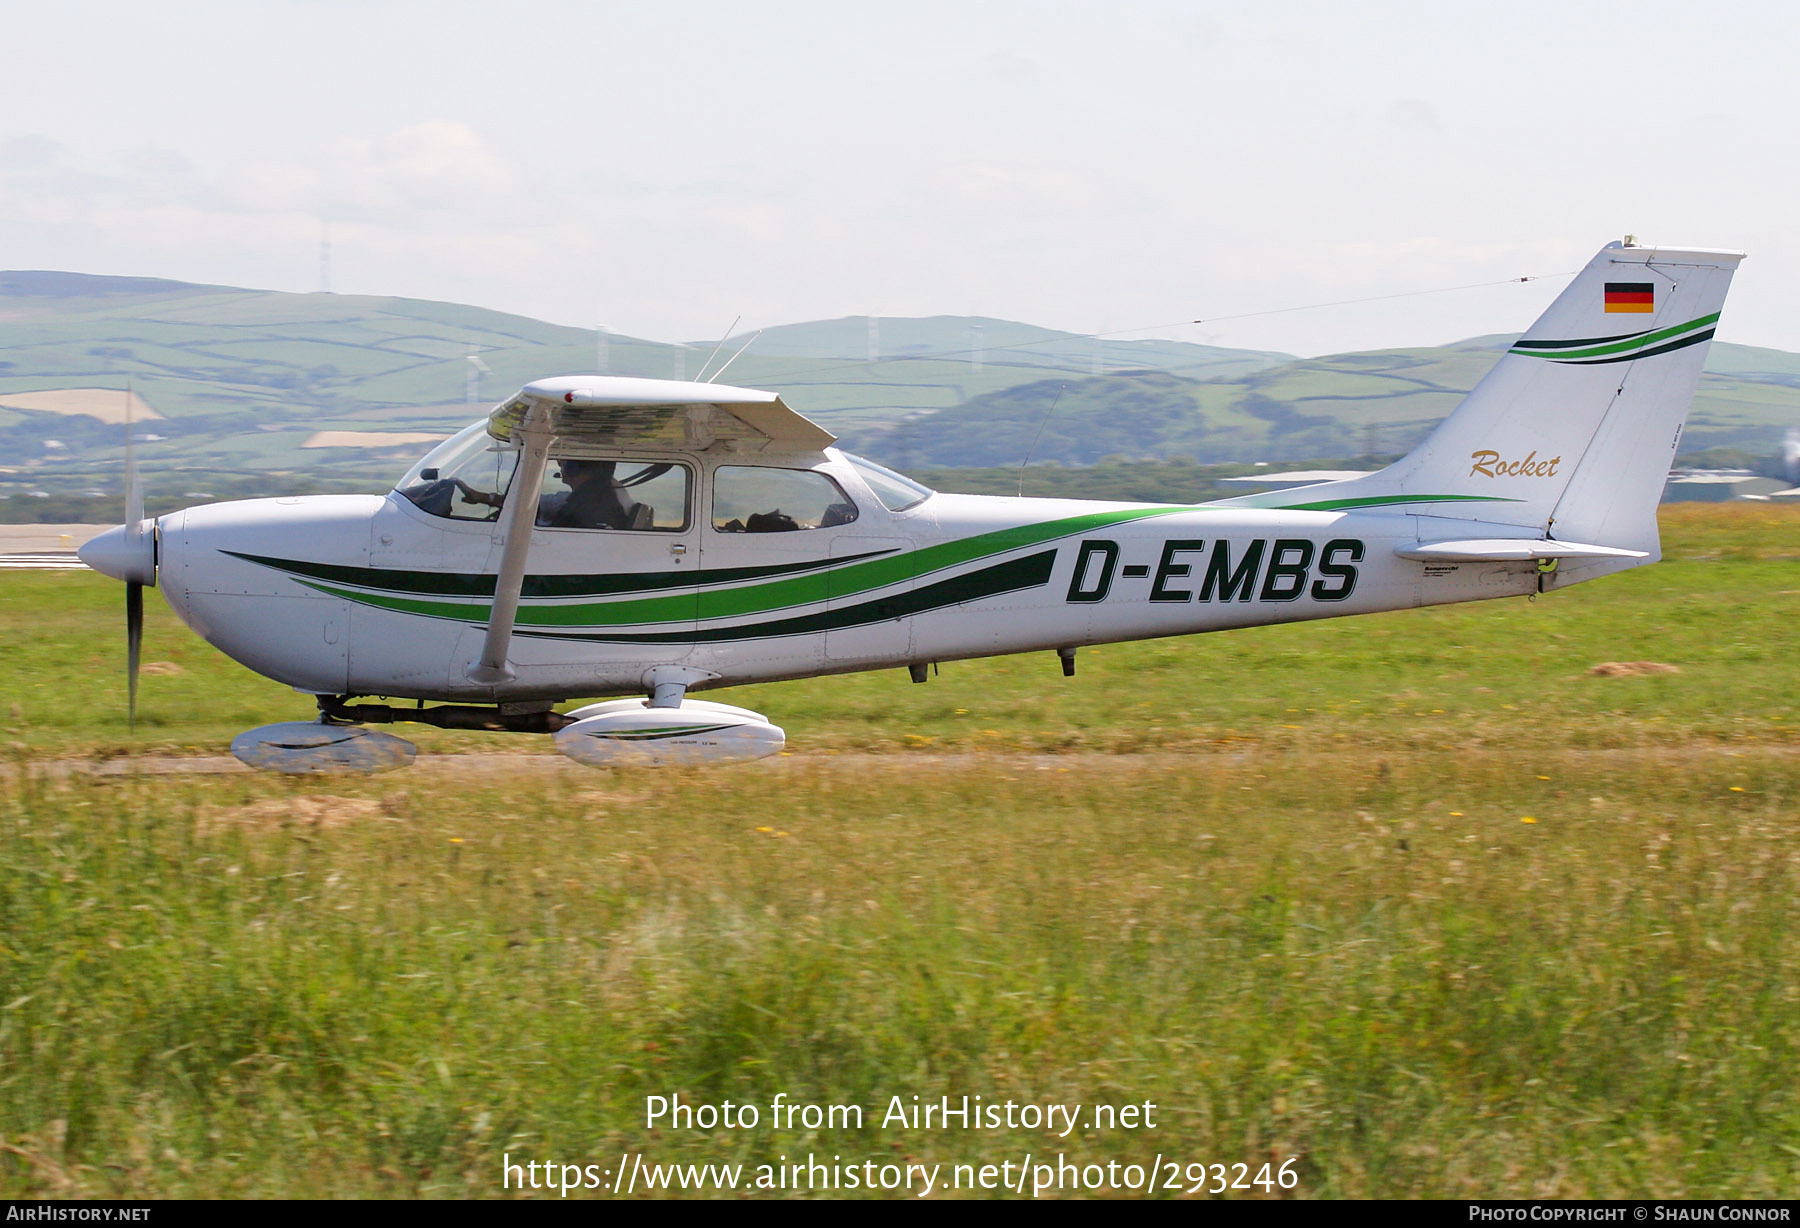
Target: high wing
{"type": "Point", "coordinates": [613, 412]}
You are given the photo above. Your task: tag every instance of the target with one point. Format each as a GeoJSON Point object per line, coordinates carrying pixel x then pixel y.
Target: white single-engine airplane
{"type": "Point", "coordinates": [649, 539]}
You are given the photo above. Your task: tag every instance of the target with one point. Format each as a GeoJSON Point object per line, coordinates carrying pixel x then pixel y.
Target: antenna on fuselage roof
{"type": "Point", "coordinates": [715, 351]}
{"type": "Point", "coordinates": [734, 357]}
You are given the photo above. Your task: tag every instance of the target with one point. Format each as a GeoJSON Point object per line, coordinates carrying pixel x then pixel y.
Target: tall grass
{"type": "Point", "coordinates": [1372, 964]}
{"type": "Point", "coordinates": [1412, 900]}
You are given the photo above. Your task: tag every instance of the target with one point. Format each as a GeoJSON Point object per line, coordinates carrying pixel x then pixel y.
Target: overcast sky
{"type": "Point", "coordinates": [662, 168]}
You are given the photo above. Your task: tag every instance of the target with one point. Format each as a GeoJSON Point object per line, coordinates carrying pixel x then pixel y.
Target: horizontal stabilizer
{"type": "Point", "coordinates": [1510, 550]}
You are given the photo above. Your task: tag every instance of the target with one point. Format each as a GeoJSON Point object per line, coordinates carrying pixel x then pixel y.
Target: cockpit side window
{"type": "Point", "coordinates": [463, 478]}
{"type": "Point", "coordinates": [603, 493]}
{"type": "Point", "coordinates": [754, 499]}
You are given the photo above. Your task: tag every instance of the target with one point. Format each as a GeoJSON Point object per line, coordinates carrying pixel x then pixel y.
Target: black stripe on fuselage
{"type": "Point", "coordinates": [1524, 344]}
{"type": "Point", "coordinates": [463, 584]}
{"type": "Point", "coordinates": [1031, 571]}
{"type": "Point", "coordinates": [1652, 352]}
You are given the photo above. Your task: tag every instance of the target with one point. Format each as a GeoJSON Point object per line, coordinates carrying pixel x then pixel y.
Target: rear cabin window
{"type": "Point", "coordinates": [753, 499]}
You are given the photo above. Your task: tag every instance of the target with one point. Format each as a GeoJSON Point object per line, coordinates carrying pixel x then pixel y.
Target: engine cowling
{"type": "Point", "coordinates": [630, 733]}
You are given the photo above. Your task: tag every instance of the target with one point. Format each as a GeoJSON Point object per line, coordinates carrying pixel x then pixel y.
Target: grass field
{"type": "Point", "coordinates": [1413, 901]}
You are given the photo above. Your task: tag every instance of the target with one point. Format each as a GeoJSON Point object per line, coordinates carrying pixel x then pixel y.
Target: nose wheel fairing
{"type": "Point", "coordinates": [304, 748]}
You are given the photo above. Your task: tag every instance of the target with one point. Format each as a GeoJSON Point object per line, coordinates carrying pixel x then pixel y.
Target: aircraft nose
{"type": "Point", "coordinates": [126, 552]}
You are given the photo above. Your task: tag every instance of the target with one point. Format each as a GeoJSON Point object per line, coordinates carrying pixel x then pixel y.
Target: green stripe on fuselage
{"type": "Point", "coordinates": [1349, 505]}
{"type": "Point", "coordinates": [470, 584]}
{"type": "Point", "coordinates": [1272, 501]}
{"type": "Point", "coordinates": [1014, 575]}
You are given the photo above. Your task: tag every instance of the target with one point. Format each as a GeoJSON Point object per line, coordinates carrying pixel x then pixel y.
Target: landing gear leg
{"type": "Point", "coordinates": [668, 684]}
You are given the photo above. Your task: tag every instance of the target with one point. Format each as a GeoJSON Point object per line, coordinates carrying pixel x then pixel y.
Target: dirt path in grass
{"type": "Point", "coordinates": [486, 765]}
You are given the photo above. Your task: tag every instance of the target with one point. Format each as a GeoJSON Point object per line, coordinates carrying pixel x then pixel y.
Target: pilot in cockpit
{"type": "Point", "coordinates": [593, 500]}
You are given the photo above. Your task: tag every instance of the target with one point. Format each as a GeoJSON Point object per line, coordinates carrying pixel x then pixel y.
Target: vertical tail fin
{"type": "Point", "coordinates": [1572, 431]}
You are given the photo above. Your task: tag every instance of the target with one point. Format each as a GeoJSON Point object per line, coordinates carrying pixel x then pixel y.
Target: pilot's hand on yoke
{"type": "Point", "coordinates": [484, 497]}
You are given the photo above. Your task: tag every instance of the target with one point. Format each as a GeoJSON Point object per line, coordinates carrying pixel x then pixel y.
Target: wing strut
{"type": "Point", "coordinates": [492, 667]}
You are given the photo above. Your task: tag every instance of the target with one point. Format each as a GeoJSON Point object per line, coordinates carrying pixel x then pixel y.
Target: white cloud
{"type": "Point", "coordinates": [662, 167]}
{"type": "Point", "coordinates": [423, 173]}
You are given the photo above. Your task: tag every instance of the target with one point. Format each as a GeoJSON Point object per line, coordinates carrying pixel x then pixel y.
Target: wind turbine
{"type": "Point", "coordinates": [477, 369]}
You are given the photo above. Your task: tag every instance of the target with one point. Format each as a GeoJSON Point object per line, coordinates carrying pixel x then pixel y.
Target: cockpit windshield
{"type": "Point", "coordinates": [463, 478]}
{"type": "Point", "coordinates": [896, 492]}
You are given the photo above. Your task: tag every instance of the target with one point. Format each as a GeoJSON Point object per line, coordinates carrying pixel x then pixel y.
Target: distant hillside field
{"type": "Point", "coordinates": [251, 389]}
{"type": "Point", "coordinates": [105, 404]}
{"type": "Point", "coordinates": [372, 439]}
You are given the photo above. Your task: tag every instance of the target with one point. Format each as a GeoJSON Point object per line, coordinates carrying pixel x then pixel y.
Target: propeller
{"type": "Point", "coordinates": [134, 643]}
{"type": "Point", "coordinates": [128, 553]}
{"type": "Point", "coordinates": [135, 532]}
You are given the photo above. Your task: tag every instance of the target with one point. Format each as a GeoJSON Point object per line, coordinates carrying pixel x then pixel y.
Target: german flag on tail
{"type": "Point", "coordinates": [1639, 296]}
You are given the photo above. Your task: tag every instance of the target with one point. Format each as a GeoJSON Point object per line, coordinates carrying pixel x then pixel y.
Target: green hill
{"type": "Point", "coordinates": [1344, 405]}
{"type": "Point", "coordinates": [243, 380]}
